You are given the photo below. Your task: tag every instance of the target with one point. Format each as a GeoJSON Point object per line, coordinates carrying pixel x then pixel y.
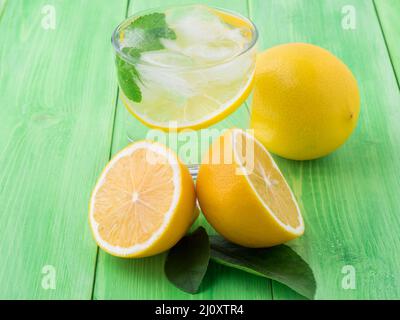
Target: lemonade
{"type": "Point", "coordinates": [184, 67]}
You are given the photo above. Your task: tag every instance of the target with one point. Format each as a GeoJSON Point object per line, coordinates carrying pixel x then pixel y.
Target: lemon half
{"type": "Point", "coordinates": [143, 202]}
{"type": "Point", "coordinates": [245, 196]}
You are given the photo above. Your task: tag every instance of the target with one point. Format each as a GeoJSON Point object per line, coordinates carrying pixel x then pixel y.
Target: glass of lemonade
{"type": "Point", "coordinates": [184, 67]}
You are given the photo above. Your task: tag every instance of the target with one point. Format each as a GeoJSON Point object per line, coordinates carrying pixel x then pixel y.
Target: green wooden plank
{"type": "Point", "coordinates": [349, 199]}
{"type": "Point", "coordinates": [144, 279]}
{"type": "Point", "coordinates": [2, 7]}
{"type": "Point", "coordinates": [55, 135]}
{"type": "Point", "coordinates": [389, 16]}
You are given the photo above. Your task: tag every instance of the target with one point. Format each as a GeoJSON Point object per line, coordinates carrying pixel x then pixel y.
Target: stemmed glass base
{"type": "Point", "coordinates": [194, 170]}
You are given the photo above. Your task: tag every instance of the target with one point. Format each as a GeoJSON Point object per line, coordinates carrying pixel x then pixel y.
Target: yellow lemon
{"type": "Point", "coordinates": [306, 101]}
{"type": "Point", "coordinates": [244, 196]}
{"type": "Point", "coordinates": [143, 202]}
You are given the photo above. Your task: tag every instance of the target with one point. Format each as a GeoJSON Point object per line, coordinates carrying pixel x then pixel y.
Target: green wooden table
{"type": "Point", "coordinates": [61, 121]}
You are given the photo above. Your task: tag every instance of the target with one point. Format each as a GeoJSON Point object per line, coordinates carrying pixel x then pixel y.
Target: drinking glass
{"type": "Point", "coordinates": [181, 93]}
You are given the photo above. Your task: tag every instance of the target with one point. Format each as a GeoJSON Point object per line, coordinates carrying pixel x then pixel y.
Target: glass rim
{"type": "Point", "coordinates": [129, 59]}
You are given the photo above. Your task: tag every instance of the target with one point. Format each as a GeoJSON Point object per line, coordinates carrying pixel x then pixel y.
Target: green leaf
{"type": "Point", "coordinates": [187, 261]}
{"type": "Point", "coordinates": [155, 23]}
{"type": "Point", "coordinates": [133, 53]}
{"type": "Point", "coordinates": [279, 263]}
{"type": "Point", "coordinates": [127, 79]}
{"type": "Point", "coordinates": [148, 30]}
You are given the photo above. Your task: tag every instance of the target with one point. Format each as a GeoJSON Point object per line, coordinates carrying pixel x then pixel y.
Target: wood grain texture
{"type": "Point", "coordinates": [349, 199]}
{"type": "Point", "coordinates": [144, 278]}
{"type": "Point", "coordinates": [58, 92]}
{"type": "Point", "coordinates": [2, 7]}
{"type": "Point", "coordinates": [389, 16]}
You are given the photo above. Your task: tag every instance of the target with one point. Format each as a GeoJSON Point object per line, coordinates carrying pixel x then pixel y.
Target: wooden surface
{"type": "Point", "coordinates": [350, 198]}
{"type": "Point", "coordinates": [56, 125]}
{"type": "Point", "coordinates": [388, 12]}
{"type": "Point", "coordinates": [61, 120]}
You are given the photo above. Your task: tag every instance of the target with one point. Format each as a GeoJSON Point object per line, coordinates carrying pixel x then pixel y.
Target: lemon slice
{"type": "Point", "coordinates": [172, 112]}
{"type": "Point", "coordinates": [243, 194]}
{"type": "Point", "coordinates": [143, 202]}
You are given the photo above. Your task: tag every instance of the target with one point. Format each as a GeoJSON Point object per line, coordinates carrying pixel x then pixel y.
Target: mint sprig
{"type": "Point", "coordinates": [148, 31]}
{"type": "Point", "coordinates": [128, 75]}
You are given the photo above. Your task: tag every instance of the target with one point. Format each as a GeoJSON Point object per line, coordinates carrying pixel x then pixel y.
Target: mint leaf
{"type": "Point", "coordinates": [148, 30]}
{"type": "Point", "coordinates": [154, 25]}
{"type": "Point", "coordinates": [128, 77]}
{"type": "Point", "coordinates": [187, 261]}
{"type": "Point", "coordinates": [153, 21]}
{"type": "Point", "coordinates": [278, 263]}
{"type": "Point", "coordinates": [133, 53]}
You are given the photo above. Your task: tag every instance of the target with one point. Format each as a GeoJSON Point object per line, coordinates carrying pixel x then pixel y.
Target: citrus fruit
{"type": "Point", "coordinates": [244, 196]}
{"type": "Point", "coordinates": [306, 101]}
{"type": "Point", "coordinates": [143, 202]}
{"type": "Point", "coordinates": [199, 113]}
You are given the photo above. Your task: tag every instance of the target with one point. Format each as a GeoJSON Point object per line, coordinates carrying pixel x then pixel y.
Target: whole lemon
{"type": "Point", "coordinates": [306, 101]}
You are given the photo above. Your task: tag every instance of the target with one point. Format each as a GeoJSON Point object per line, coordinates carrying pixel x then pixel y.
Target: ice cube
{"type": "Point", "coordinates": [195, 24]}
{"type": "Point", "coordinates": [166, 58]}
{"type": "Point", "coordinates": [133, 38]}
{"type": "Point", "coordinates": [212, 51]}
{"type": "Point", "coordinates": [229, 72]}
{"type": "Point", "coordinates": [203, 36]}
{"type": "Point", "coordinates": [166, 79]}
